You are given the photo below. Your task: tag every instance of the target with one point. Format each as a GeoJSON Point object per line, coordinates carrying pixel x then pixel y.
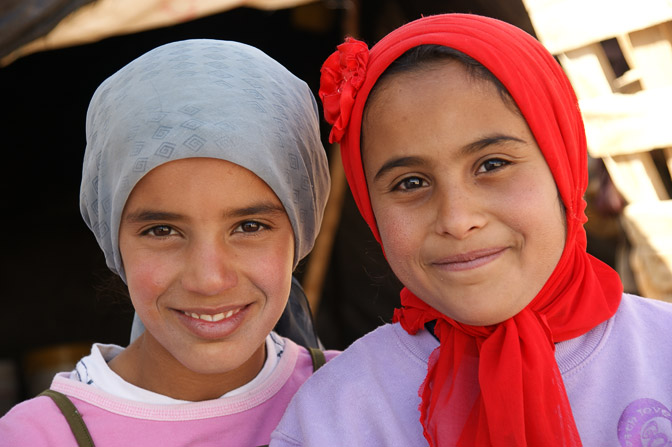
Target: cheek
{"type": "Point", "coordinates": [529, 196]}
{"type": "Point", "coordinates": [271, 270]}
{"type": "Point", "coordinates": [274, 277]}
{"type": "Point", "coordinates": [539, 217]}
{"type": "Point", "coordinates": [147, 278]}
{"type": "Point", "coordinates": [401, 238]}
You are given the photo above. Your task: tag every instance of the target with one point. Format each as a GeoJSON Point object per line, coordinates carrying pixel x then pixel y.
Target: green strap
{"type": "Point", "coordinates": [73, 417]}
{"type": "Point", "coordinates": [317, 356]}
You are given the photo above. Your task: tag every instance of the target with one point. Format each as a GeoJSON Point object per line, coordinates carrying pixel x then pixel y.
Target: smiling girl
{"type": "Point", "coordinates": [204, 182]}
{"type": "Point", "coordinates": [465, 151]}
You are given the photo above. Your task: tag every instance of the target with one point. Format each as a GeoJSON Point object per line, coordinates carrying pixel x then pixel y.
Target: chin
{"type": "Point", "coordinates": [473, 317]}
{"type": "Point", "coordinates": [224, 364]}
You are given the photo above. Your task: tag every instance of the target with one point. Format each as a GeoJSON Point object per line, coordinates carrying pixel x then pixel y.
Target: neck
{"type": "Point", "coordinates": [147, 364]}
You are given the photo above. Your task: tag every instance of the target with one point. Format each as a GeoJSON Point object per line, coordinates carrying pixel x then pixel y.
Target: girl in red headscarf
{"type": "Point", "coordinates": [465, 151]}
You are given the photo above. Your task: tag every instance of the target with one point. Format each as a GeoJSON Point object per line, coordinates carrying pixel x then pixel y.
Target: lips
{"type": "Point", "coordinates": [469, 260]}
{"type": "Point", "coordinates": [213, 324]}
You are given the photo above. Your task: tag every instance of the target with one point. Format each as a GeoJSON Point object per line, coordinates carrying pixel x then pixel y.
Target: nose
{"type": "Point", "coordinates": [209, 268]}
{"type": "Point", "coordinates": [459, 212]}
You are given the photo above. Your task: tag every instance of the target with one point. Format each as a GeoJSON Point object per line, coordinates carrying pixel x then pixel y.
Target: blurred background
{"type": "Point", "coordinates": [58, 296]}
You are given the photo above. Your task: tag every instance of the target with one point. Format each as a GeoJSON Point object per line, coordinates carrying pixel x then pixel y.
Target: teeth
{"type": "Point", "coordinates": [217, 317]}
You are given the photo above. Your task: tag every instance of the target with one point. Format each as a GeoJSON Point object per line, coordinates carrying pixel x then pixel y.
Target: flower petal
{"type": "Point", "coordinates": [342, 75]}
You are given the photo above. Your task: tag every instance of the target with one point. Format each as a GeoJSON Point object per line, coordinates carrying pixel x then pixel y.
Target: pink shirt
{"type": "Point", "coordinates": [240, 420]}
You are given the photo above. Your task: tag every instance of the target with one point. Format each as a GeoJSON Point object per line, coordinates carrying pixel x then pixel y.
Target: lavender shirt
{"type": "Point", "coordinates": [617, 377]}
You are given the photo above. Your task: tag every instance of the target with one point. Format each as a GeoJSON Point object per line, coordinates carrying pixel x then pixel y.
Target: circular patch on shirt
{"type": "Point", "coordinates": [645, 423]}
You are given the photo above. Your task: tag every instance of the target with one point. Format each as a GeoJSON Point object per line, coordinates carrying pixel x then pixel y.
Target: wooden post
{"type": "Point", "coordinates": [318, 263]}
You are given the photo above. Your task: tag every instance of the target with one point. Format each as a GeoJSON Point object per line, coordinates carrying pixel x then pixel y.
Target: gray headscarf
{"type": "Point", "coordinates": [203, 98]}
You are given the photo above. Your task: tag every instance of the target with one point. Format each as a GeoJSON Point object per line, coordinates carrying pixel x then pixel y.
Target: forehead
{"type": "Point", "coordinates": [444, 70]}
{"type": "Point", "coordinates": [443, 83]}
{"type": "Point", "coordinates": [435, 75]}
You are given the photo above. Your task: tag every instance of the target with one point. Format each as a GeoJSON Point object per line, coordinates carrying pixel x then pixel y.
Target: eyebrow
{"type": "Point", "coordinates": [149, 215]}
{"type": "Point", "coordinates": [260, 208]}
{"type": "Point", "coordinates": [397, 163]}
{"type": "Point", "coordinates": [491, 140]}
{"type": "Point", "coordinates": [470, 148]}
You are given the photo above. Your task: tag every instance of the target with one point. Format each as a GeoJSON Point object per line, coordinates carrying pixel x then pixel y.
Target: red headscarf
{"type": "Point", "coordinates": [522, 398]}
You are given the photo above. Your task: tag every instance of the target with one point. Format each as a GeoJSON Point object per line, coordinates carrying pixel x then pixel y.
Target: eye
{"type": "Point", "coordinates": [410, 183]}
{"type": "Point", "coordinates": [160, 231]}
{"type": "Point", "coordinates": [492, 164]}
{"type": "Point", "coordinates": [249, 226]}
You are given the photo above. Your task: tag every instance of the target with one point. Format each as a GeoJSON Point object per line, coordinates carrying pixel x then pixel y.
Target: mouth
{"type": "Point", "coordinates": [469, 260]}
{"type": "Point", "coordinates": [213, 317]}
{"type": "Point", "coordinates": [214, 324]}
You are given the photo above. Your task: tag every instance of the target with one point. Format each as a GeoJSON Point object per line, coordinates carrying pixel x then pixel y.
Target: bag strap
{"type": "Point", "coordinates": [73, 417]}
{"type": "Point", "coordinates": [317, 356]}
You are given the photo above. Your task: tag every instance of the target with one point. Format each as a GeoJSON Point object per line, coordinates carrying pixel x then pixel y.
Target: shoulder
{"type": "Point", "coordinates": [389, 342]}
{"type": "Point", "coordinates": [641, 330]}
{"type": "Point", "coordinates": [371, 357]}
{"type": "Point", "coordinates": [305, 359]}
{"type": "Point", "coordinates": [639, 325]}
{"type": "Point", "coordinates": [647, 311]}
{"type": "Point", "coordinates": [641, 320]}
{"type": "Point", "coordinates": [296, 363]}
{"type": "Point", "coordinates": [35, 422]}
{"type": "Point", "coordinates": [618, 373]}
{"type": "Point", "coordinates": [356, 396]}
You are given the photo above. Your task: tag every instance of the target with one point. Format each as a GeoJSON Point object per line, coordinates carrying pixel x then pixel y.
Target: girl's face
{"type": "Point", "coordinates": [466, 206]}
{"type": "Point", "coordinates": [208, 250]}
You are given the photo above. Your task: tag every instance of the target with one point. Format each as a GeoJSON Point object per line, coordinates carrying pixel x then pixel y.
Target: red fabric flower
{"type": "Point", "coordinates": [342, 75]}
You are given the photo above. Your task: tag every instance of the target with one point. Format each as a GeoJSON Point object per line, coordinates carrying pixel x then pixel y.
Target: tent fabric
{"type": "Point", "coordinates": [23, 21]}
{"type": "Point", "coordinates": [37, 25]}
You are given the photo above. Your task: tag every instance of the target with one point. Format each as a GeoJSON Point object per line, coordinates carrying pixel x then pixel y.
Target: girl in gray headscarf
{"type": "Point", "coordinates": [204, 182]}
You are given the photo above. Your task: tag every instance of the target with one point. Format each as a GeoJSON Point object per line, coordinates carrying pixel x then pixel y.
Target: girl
{"type": "Point", "coordinates": [204, 182]}
{"type": "Point", "coordinates": [464, 148]}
